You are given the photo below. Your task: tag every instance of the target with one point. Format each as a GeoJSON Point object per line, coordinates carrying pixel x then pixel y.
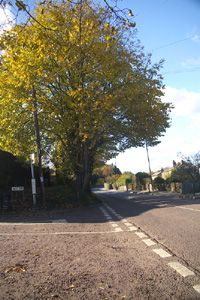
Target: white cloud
{"type": "Point", "coordinates": [191, 62]}
{"type": "Point", "coordinates": [186, 103]}
{"type": "Point", "coordinates": [6, 19]}
{"type": "Point", "coordinates": [182, 136]}
{"type": "Point", "coordinates": [195, 34]}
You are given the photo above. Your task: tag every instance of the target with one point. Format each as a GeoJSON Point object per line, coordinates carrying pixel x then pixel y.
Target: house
{"type": "Point", "coordinates": [164, 172]}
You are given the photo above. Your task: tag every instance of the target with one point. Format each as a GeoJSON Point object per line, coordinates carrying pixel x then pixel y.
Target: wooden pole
{"type": "Point", "coordinates": [149, 167]}
{"type": "Point", "coordinates": [37, 134]}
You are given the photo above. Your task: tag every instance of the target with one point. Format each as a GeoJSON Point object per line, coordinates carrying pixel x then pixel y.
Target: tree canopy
{"type": "Point", "coordinates": [94, 90]}
{"type": "Point", "coordinates": [189, 168]}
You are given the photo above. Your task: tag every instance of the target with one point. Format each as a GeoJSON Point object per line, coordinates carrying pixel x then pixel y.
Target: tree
{"type": "Point", "coordinates": [188, 169]}
{"type": "Point", "coordinates": [18, 10]}
{"type": "Point", "coordinates": [88, 82]}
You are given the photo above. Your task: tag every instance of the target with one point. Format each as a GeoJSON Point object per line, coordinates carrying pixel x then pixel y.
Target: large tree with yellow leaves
{"type": "Point", "coordinates": [87, 81]}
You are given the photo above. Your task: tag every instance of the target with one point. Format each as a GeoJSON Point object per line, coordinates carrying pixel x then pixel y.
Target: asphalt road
{"type": "Point", "coordinates": [139, 246]}
{"type": "Point", "coordinates": [172, 221]}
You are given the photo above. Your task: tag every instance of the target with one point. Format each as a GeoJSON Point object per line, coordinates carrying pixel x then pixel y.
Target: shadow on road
{"type": "Point", "coordinates": [134, 204]}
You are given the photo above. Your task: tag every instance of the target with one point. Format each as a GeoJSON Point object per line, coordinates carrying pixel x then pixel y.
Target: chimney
{"type": "Point", "coordinates": [174, 164]}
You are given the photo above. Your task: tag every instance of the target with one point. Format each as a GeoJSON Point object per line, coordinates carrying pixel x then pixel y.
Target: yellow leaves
{"type": "Point", "coordinates": [84, 75]}
{"type": "Point", "coordinates": [108, 37]}
{"type": "Point", "coordinates": [19, 268]}
{"type": "Point", "coordinates": [84, 137]}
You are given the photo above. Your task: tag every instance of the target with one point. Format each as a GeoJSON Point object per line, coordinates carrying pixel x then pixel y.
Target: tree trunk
{"type": "Point", "coordinates": [83, 173]}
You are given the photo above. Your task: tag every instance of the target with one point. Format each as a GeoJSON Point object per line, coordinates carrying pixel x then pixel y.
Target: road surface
{"type": "Point", "coordinates": [133, 246]}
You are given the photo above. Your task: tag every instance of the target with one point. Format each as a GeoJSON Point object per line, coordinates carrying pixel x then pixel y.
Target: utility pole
{"type": "Point", "coordinates": [37, 134]}
{"type": "Point", "coordinates": [149, 167]}
{"type": "Point", "coordinates": [33, 183]}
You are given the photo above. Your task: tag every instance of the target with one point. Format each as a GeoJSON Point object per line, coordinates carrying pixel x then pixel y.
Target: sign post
{"type": "Point", "coordinates": [33, 183]}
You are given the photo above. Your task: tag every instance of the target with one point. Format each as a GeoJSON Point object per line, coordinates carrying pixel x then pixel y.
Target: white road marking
{"type": "Point", "coordinates": [110, 220]}
{"type": "Point", "coordinates": [120, 217]}
{"type": "Point", "coordinates": [114, 225]}
{"type": "Point", "coordinates": [128, 224]}
{"type": "Point", "coordinates": [162, 253]}
{"type": "Point", "coordinates": [118, 229]}
{"type": "Point", "coordinates": [187, 208]}
{"type": "Point", "coordinates": [59, 221]}
{"type": "Point", "coordinates": [197, 288]}
{"type": "Point", "coordinates": [133, 228]}
{"type": "Point", "coordinates": [181, 269]}
{"type": "Point", "coordinates": [58, 233]}
{"type": "Point", "coordinates": [149, 242]}
{"type": "Point", "coordinates": [124, 220]}
{"type": "Point", "coordinates": [141, 235]}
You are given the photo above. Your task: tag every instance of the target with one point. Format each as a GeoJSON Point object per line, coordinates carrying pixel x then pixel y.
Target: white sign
{"type": "Point", "coordinates": [33, 158]}
{"type": "Point", "coordinates": [33, 186]}
{"type": "Point", "coordinates": [17, 188]}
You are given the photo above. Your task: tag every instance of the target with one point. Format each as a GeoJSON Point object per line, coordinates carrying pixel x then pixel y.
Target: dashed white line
{"type": "Point", "coordinates": [162, 253]}
{"type": "Point", "coordinates": [120, 217]}
{"type": "Point", "coordinates": [127, 224]}
{"type": "Point", "coordinates": [133, 228]}
{"type": "Point", "coordinates": [124, 220]}
{"type": "Point", "coordinates": [181, 269]}
{"type": "Point", "coordinates": [118, 229]}
{"type": "Point", "coordinates": [141, 235]}
{"type": "Point", "coordinates": [130, 226]}
{"type": "Point", "coordinates": [149, 242]}
{"type": "Point", "coordinates": [114, 225]}
{"type": "Point", "coordinates": [197, 288]}
{"type": "Point", "coordinates": [110, 220]}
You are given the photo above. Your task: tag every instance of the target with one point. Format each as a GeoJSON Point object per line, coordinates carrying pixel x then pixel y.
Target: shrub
{"type": "Point", "coordinates": [158, 180]}
{"type": "Point", "coordinates": [125, 179]}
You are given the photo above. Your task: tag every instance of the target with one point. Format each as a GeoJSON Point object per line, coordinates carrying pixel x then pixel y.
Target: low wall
{"type": "Point", "coordinates": [175, 187]}
{"type": "Point", "coordinates": [122, 188]}
{"type": "Point", "coordinates": [190, 187]}
{"type": "Point", "coordinates": [107, 186]}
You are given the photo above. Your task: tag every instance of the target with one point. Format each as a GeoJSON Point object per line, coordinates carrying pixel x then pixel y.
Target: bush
{"type": "Point", "coordinates": [159, 183]}
{"type": "Point", "coordinates": [158, 180]}
{"type": "Point", "coordinates": [126, 179]}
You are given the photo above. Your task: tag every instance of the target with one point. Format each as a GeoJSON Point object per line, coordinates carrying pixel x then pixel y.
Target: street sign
{"type": "Point", "coordinates": [17, 188]}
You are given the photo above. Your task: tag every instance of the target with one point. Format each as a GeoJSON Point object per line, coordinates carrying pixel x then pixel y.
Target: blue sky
{"type": "Point", "coordinates": [170, 30]}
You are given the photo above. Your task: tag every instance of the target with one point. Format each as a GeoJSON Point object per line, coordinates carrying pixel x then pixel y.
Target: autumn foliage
{"type": "Point", "coordinates": [97, 93]}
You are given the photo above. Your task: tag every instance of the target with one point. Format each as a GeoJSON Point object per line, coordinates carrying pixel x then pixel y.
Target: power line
{"type": "Point", "coordinates": [149, 12]}
{"type": "Point", "coordinates": [176, 42]}
{"type": "Point", "coordinates": [182, 71]}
